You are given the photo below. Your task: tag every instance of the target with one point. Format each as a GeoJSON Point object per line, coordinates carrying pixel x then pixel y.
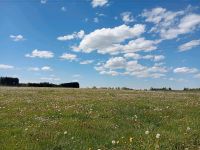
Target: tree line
{"type": "Point", "coordinates": [9, 81]}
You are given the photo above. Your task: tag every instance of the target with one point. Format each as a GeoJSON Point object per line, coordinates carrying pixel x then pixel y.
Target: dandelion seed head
{"type": "Point", "coordinates": [157, 135]}
{"type": "Point", "coordinates": [146, 132]}
{"type": "Point", "coordinates": [113, 141]}
{"type": "Point", "coordinates": [131, 139]}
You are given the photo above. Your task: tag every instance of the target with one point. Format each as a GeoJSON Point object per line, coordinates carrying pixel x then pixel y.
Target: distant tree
{"type": "Point", "coordinates": [9, 81]}
{"type": "Point", "coordinates": [70, 85]}
{"type": "Point", "coordinates": [94, 87]}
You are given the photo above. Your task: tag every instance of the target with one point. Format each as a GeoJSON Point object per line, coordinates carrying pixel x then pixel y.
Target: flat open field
{"type": "Point", "coordinates": [91, 119]}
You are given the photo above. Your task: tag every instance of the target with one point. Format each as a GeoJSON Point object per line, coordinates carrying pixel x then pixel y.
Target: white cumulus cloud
{"type": "Point", "coordinates": [131, 68]}
{"type": "Point", "coordinates": [171, 24]}
{"type": "Point", "coordinates": [132, 55]}
{"type": "Point", "coordinates": [99, 3]}
{"type": "Point", "coordinates": [107, 40]}
{"type": "Point", "coordinates": [68, 56]}
{"type": "Point", "coordinates": [40, 54]}
{"type": "Point", "coordinates": [187, 24]}
{"type": "Point", "coordinates": [46, 68]}
{"type": "Point", "coordinates": [115, 63]}
{"type": "Point", "coordinates": [154, 57]}
{"type": "Point", "coordinates": [127, 17]}
{"type": "Point", "coordinates": [75, 35]}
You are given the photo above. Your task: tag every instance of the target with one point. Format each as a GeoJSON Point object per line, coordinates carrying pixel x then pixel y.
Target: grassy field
{"type": "Point", "coordinates": [92, 119]}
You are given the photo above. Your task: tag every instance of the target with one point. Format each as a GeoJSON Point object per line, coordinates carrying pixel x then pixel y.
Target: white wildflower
{"type": "Point", "coordinates": [65, 132]}
{"type": "Point", "coordinates": [188, 128]}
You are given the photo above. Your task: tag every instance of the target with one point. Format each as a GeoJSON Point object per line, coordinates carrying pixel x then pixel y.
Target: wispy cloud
{"type": "Point", "coordinates": [4, 66]}
{"type": "Point", "coordinates": [185, 70]}
{"type": "Point", "coordinates": [50, 78]}
{"type": "Point", "coordinates": [43, 1]}
{"type": "Point", "coordinates": [96, 20]}
{"type": "Point", "coordinates": [44, 68]}
{"type": "Point", "coordinates": [17, 38]}
{"type": "Point", "coordinates": [189, 45]}
{"type": "Point", "coordinates": [85, 62]}
{"type": "Point", "coordinates": [63, 9]}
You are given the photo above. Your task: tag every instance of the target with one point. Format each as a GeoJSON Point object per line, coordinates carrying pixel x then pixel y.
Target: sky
{"type": "Point", "coordinates": [104, 43]}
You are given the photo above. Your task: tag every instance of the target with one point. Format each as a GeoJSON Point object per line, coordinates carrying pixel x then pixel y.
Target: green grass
{"type": "Point", "coordinates": [37, 118]}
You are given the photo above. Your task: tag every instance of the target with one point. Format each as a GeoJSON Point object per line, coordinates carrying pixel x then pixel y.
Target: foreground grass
{"type": "Point", "coordinates": [86, 119]}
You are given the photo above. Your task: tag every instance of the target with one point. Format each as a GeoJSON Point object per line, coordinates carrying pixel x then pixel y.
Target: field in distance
{"type": "Point", "coordinates": [92, 119]}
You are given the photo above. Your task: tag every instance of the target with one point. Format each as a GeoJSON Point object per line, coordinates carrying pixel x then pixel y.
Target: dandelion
{"type": "Point", "coordinates": [146, 132]}
{"type": "Point", "coordinates": [131, 139]}
{"type": "Point", "coordinates": [157, 135]}
{"type": "Point", "coordinates": [65, 132]}
{"type": "Point", "coordinates": [113, 142]}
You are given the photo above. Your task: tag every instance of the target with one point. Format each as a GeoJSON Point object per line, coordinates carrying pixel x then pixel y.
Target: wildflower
{"type": "Point", "coordinates": [186, 148]}
{"type": "Point", "coordinates": [146, 132]}
{"type": "Point", "coordinates": [135, 116]}
{"type": "Point", "coordinates": [113, 142]}
{"type": "Point", "coordinates": [131, 139]}
{"type": "Point", "coordinates": [188, 128]}
{"type": "Point", "coordinates": [117, 142]}
{"type": "Point", "coordinates": [65, 132]}
{"type": "Point", "coordinates": [157, 135]}
{"type": "Point", "coordinates": [26, 129]}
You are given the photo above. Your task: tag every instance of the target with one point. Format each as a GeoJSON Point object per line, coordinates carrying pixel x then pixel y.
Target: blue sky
{"type": "Point", "coordinates": [103, 43]}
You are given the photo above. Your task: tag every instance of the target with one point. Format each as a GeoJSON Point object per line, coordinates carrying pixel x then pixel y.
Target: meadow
{"type": "Point", "coordinates": [97, 119]}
